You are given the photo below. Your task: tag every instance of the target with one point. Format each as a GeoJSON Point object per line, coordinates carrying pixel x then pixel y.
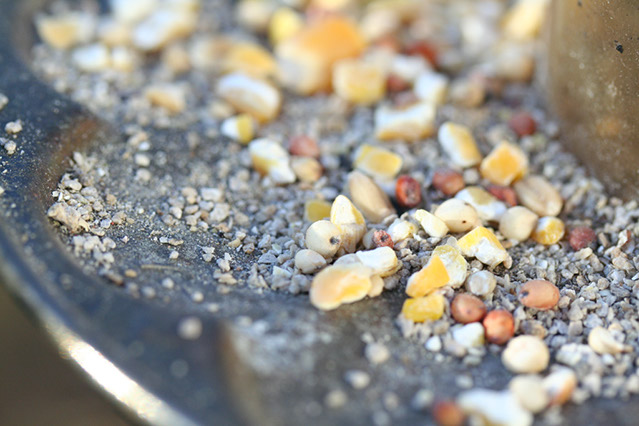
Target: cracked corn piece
{"type": "Point", "coordinates": [429, 278]}
{"type": "Point", "coordinates": [433, 226]}
{"type": "Point", "coordinates": [401, 229]}
{"type": "Point", "coordinates": [359, 82]}
{"type": "Point", "coordinates": [505, 164]}
{"type": "Point", "coordinates": [409, 123]}
{"type": "Point", "coordinates": [250, 95]}
{"type": "Point", "coordinates": [240, 128]}
{"type": "Point", "coordinates": [549, 231]}
{"type": "Point", "coordinates": [270, 159]}
{"type": "Point", "coordinates": [482, 244]}
{"type": "Point", "coordinates": [307, 169]}
{"type": "Point", "coordinates": [315, 210]}
{"type": "Point", "coordinates": [455, 264]}
{"type": "Point", "coordinates": [459, 144]}
{"type": "Point", "coordinates": [339, 284]}
{"type": "Point", "coordinates": [66, 30]}
{"type": "Point", "coordinates": [163, 26]}
{"type": "Point", "coordinates": [350, 222]}
{"type": "Point", "coordinates": [306, 59]}
{"type": "Point", "coordinates": [250, 59]}
{"type": "Point", "coordinates": [431, 87]}
{"type": "Point", "coordinates": [377, 162]}
{"type": "Point", "coordinates": [91, 58]}
{"type": "Point", "coordinates": [382, 260]}
{"type": "Point", "coordinates": [284, 24]}
{"type": "Point", "coordinates": [167, 96]}
{"type": "Point", "coordinates": [421, 309]}
{"type": "Point", "coordinates": [489, 208]}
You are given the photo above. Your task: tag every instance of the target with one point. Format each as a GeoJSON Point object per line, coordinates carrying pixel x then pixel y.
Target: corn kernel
{"type": "Point", "coordinates": [350, 221]}
{"type": "Point", "coordinates": [377, 162]}
{"type": "Point", "coordinates": [431, 87]}
{"type": "Point", "coordinates": [307, 169]}
{"type": "Point", "coordinates": [163, 26]}
{"type": "Point", "coordinates": [489, 208]}
{"type": "Point", "coordinates": [382, 260]}
{"type": "Point", "coordinates": [455, 264]}
{"type": "Point", "coordinates": [240, 128]}
{"type": "Point", "coordinates": [409, 123]}
{"type": "Point", "coordinates": [167, 96]}
{"type": "Point", "coordinates": [369, 197]}
{"type": "Point", "coordinates": [459, 144]}
{"type": "Point", "coordinates": [270, 159]}
{"type": "Point", "coordinates": [433, 226]}
{"type": "Point", "coordinates": [250, 59]}
{"type": "Point", "coordinates": [91, 58]}
{"type": "Point", "coordinates": [315, 210]}
{"type": "Point", "coordinates": [284, 24]}
{"type": "Point", "coordinates": [505, 164]}
{"type": "Point", "coordinates": [458, 215]}
{"type": "Point", "coordinates": [429, 278]}
{"type": "Point", "coordinates": [524, 19]}
{"type": "Point", "coordinates": [339, 284]}
{"type": "Point", "coordinates": [306, 60]}
{"type": "Point", "coordinates": [324, 238]}
{"type": "Point", "coordinates": [429, 308]}
{"type": "Point", "coordinates": [401, 229]}
{"type": "Point", "coordinates": [377, 286]}
{"type": "Point", "coordinates": [482, 244]}
{"type": "Point", "coordinates": [549, 230]}
{"type": "Point", "coordinates": [250, 95]}
{"type": "Point", "coordinates": [67, 30]}
{"type": "Point", "coordinates": [359, 82]}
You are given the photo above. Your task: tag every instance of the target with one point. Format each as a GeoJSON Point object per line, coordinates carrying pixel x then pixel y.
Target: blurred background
{"type": "Point", "coordinates": [38, 387]}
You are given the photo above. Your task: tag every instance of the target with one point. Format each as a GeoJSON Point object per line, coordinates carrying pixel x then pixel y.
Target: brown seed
{"type": "Point", "coordinates": [448, 413]}
{"type": "Point", "coordinates": [381, 238]}
{"type": "Point", "coordinates": [539, 294]}
{"type": "Point", "coordinates": [499, 326]}
{"type": "Point", "coordinates": [408, 192]}
{"type": "Point", "coordinates": [449, 182]}
{"type": "Point", "coordinates": [424, 49]}
{"type": "Point", "coordinates": [304, 146]}
{"type": "Point", "coordinates": [523, 124]}
{"type": "Point", "coordinates": [467, 308]}
{"type": "Point", "coordinates": [581, 237]}
{"type": "Point", "coordinates": [503, 193]}
{"type": "Point", "coordinates": [396, 84]}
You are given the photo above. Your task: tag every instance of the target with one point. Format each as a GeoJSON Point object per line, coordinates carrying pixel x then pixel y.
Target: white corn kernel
{"type": "Point", "coordinates": [408, 68]}
{"type": "Point", "coordinates": [560, 384]}
{"type": "Point", "coordinates": [459, 144]}
{"type": "Point", "coordinates": [455, 264]}
{"type": "Point", "coordinates": [339, 284]}
{"type": "Point", "coordinates": [350, 222]}
{"type": "Point", "coordinates": [250, 95]}
{"type": "Point", "coordinates": [382, 260]}
{"type": "Point", "coordinates": [401, 229]}
{"type": "Point", "coordinates": [482, 244]}
{"type": "Point", "coordinates": [324, 238]}
{"type": "Point", "coordinates": [494, 408]}
{"type": "Point", "coordinates": [240, 128]}
{"type": "Point", "coordinates": [518, 223]}
{"type": "Point", "coordinates": [309, 261]}
{"type": "Point", "coordinates": [92, 58]}
{"type": "Point", "coordinates": [409, 123]}
{"type": "Point", "coordinates": [163, 26]}
{"type": "Point", "coordinates": [489, 208]}
{"type": "Point", "coordinates": [128, 11]}
{"type": "Point", "coordinates": [359, 82]}
{"type": "Point", "coordinates": [431, 87]}
{"type": "Point", "coordinates": [170, 97]}
{"type": "Point", "coordinates": [269, 158]}
{"type": "Point", "coordinates": [433, 226]}
{"type": "Point", "coordinates": [469, 335]}
{"type": "Point", "coordinates": [458, 215]}
{"type": "Point", "coordinates": [377, 162]}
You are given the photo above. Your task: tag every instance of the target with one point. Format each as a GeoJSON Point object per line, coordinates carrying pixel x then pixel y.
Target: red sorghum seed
{"type": "Point", "coordinates": [523, 124]}
{"type": "Point", "coordinates": [448, 182]}
{"type": "Point", "coordinates": [503, 193]}
{"type": "Point", "coordinates": [581, 237]}
{"type": "Point", "coordinates": [381, 238]}
{"type": "Point", "coordinates": [499, 326]}
{"type": "Point", "coordinates": [408, 192]}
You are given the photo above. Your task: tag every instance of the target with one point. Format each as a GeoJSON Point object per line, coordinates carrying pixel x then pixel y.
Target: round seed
{"type": "Point", "coordinates": [324, 238]}
{"type": "Point", "coordinates": [518, 223]}
{"type": "Point", "coordinates": [526, 354]}
{"type": "Point", "coordinates": [467, 308]}
{"type": "Point", "coordinates": [499, 326]}
{"type": "Point", "coordinates": [458, 215]}
{"type": "Point", "coordinates": [581, 237]}
{"type": "Point", "coordinates": [448, 413]}
{"type": "Point", "coordinates": [448, 182]}
{"type": "Point", "coordinates": [539, 294]}
{"type": "Point", "coordinates": [523, 124]}
{"type": "Point", "coordinates": [408, 192]}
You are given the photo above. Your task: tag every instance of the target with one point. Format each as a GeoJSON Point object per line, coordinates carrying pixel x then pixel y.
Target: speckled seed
{"type": "Point", "coordinates": [539, 294]}
{"type": "Point", "coordinates": [309, 261]}
{"type": "Point", "coordinates": [324, 238]}
{"type": "Point", "coordinates": [467, 308]}
{"type": "Point", "coordinates": [481, 283]}
{"type": "Point", "coordinates": [458, 215]}
{"type": "Point", "coordinates": [518, 223]}
{"type": "Point", "coordinates": [499, 326]}
{"type": "Point", "coordinates": [536, 193]}
{"type": "Point", "coordinates": [602, 342]}
{"type": "Point", "coordinates": [530, 392]}
{"type": "Point", "coordinates": [526, 354]}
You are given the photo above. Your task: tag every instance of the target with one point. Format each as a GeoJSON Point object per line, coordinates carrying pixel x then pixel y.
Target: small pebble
{"type": "Point", "coordinates": [581, 237]}
{"type": "Point", "coordinates": [376, 353]}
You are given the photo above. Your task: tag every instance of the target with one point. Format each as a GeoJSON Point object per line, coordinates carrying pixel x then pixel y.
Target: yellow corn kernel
{"type": "Point", "coordinates": [429, 308]}
{"type": "Point", "coordinates": [350, 222]}
{"type": "Point", "coordinates": [459, 144]}
{"type": "Point", "coordinates": [524, 19]}
{"type": "Point", "coordinates": [482, 244]}
{"type": "Point", "coordinates": [455, 264]}
{"type": "Point", "coordinates": [505, 164]}
{"type": "Point", "coordinates": [377, 162]}
{"type": "Point", "coordinates": [429, 278]}
{"type": "Point", "coordinates": [251, 95]}
{"type": "Point", "coordinates": [359, 82]}
{"type": "Point", "coordinates": [284, 24]}
{"type": "Point", "coordinates": [339, 284]}
{"type": "Point", "coordinates": [549, 230]}
{"type": "Point", "coordinates": [66, 30]}
{"type": "Point", "coordinates": [409, 123]}
{"type": "Point", "coordinates": [315, 210]}
{"type": "Point", "coordinates": [269, 158]}
{"type": "Point", "coordinates": [170, 97]}
{"type": "Point", "coordinates": [240, 128]}
{"type": "Point", "coordinates": [251, 59]}
{"type": "Point", "coordinates": [306, 60]}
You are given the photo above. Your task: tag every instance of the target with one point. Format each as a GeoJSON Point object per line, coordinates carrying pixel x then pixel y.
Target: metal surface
{"type": "Point", "coordinates": [129, 346]}
{"type": "Point", "coordinates": [593, 62]}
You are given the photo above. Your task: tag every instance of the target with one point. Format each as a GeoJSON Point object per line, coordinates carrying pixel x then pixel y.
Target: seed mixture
{"type": "Point", "coordinates": [349, 150]}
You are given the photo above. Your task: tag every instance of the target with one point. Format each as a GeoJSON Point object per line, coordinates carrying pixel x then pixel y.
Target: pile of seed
{"type": "Point", "coordinates": [343, 150]}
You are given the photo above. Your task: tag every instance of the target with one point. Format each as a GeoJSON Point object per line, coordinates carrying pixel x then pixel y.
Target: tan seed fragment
{"type": "Point", "coordinates": [559, 385]}
{"type": "Point", "coordinates": [307, 169]}
{"type": "Point", "coordinates": [251, 95]}
{"type": "Point", "coordinates": [432, 225]}
{"type": "Point", "coordinates": [369, 197]}
{"type": "Point", "coordinates": [536, 193]}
